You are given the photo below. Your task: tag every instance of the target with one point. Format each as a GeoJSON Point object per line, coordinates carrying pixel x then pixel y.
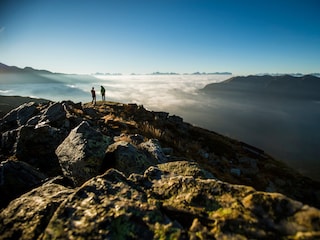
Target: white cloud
{"type": "Point", "coordinates": [2, 29]}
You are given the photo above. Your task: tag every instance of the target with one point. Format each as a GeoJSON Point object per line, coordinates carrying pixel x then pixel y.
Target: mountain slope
{"type": "Point", "coordinates": [120, 171]}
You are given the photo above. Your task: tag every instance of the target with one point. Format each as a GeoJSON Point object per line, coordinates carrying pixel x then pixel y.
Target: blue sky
{"type": "Point", "coordinates": [240, 36]}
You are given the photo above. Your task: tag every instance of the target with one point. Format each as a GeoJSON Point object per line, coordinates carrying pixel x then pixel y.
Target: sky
{"type": "Point", "coordinates": [144, 36]}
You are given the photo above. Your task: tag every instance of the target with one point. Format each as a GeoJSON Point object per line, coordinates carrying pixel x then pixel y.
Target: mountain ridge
{"type": "Point", "coordinates": [114, 170]}
{"type": "Point", "coordinates": [13, 69]}
{"type": "Point", "coordinates": [306, 86]}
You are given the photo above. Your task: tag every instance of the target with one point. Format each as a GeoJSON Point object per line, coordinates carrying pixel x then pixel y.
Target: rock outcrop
{"type": "Point", "coordinates": [117, 171]}
{"type": "Point", "coordinates": [81, 153]}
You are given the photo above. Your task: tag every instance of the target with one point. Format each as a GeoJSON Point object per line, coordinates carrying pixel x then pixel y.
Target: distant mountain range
{"type": "Point", "coordinates": [13, 69]}
{"type": "Point", "coordinates": [12, 74]}
{"type": "Point", "coordinates": [307, 86]}
{"type": "Point", "coordinates": [16, 75]}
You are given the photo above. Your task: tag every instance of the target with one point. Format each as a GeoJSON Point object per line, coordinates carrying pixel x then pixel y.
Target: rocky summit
{"type": "Point", "coordinates": [118, 171]}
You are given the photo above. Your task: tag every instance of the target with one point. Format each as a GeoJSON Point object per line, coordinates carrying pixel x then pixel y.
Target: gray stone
{"type": "Point", "coordinates": [126, 158]}
{"type": "Point", "coordinates": [81, 154]}
{"type": "Point", "coordinates": [153, 147]}
{"type": "Point", "coordinates": [26, 111]}
{"type": "Point", "coordinates": [54, 115]}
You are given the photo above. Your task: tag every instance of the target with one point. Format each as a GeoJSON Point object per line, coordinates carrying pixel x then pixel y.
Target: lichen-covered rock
{"type": "Point", "coordinates": [127, 158]}
{"type": "Point", "coordinates": [27, 216]}
{"type": "Point", "coordinates": [157, 205]}
{"type": "Point", "coordinates": [153, 147]}
{"type": "Point", "coordinates": [81, 154]}
{"type": "Point", "coordinates": [16, 178]}
{"type": "Point", "coordinates": [213, 209]}
{"type": "Point", "coordinates": [110, 207]}
{"type": "Point", "coordinates": [185, 168]}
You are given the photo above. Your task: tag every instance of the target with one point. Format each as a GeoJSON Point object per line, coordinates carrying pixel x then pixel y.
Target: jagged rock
{"type": "Point", "coordinates": [185, 168]}
{"type": "Point", "coordinates": [37, 145]}
{"type": "Point", "coordinates": [18, 116]}
{"type": "Point", "coordinates": [25, 112]}
{"type": "Point", "coordinates": [110, 207]}
{"type": "Point", "coordinates": [127, 158]}
{"type": "Point", "coordinates": [16, 178]}
{"type": "Point", "coordinates": [27, 216]}
{"type": "Point", "coordinates": [81, 154]}
{"type": "Point", "coordinates": [153, 147]}
{"type": "Point", "coordinates": [54, 115]}
{"type": "Point", "coordinates": [33, 121]}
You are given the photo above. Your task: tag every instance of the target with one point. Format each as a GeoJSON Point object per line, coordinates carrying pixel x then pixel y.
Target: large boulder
{"type": "Point", "coordinates": [27, 216]}
{"type": "Point", "coordinates": [127, 158]}
{"type": "Point", "coordinates": [82, 152]}
{"type": "Point", "coordinates": [36, 145]}
{"type": "Point", "coordinates": [110, 207]}
{"type": "Point", "coordinates": [211, 209]}
{"type": "Point", "coordinates": [16, 178]}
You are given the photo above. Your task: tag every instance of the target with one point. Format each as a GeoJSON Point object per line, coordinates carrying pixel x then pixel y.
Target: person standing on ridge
{"type": "Point", "coordinates": [93, 94]}
{"type": "Point", "coordinates": [103, 92]}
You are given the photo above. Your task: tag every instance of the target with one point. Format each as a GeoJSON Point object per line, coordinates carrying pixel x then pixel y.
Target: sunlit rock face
{"type": "Point", "coordinates": [118, 171]}
{"type": "Point", "coordinates": [81, 153]}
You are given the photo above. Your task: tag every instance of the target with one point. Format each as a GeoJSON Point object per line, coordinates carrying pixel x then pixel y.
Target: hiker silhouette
{"type": "Point", "coordinates": [103, 91]}
{"type": "Point", "coordinates": [93, 94]}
